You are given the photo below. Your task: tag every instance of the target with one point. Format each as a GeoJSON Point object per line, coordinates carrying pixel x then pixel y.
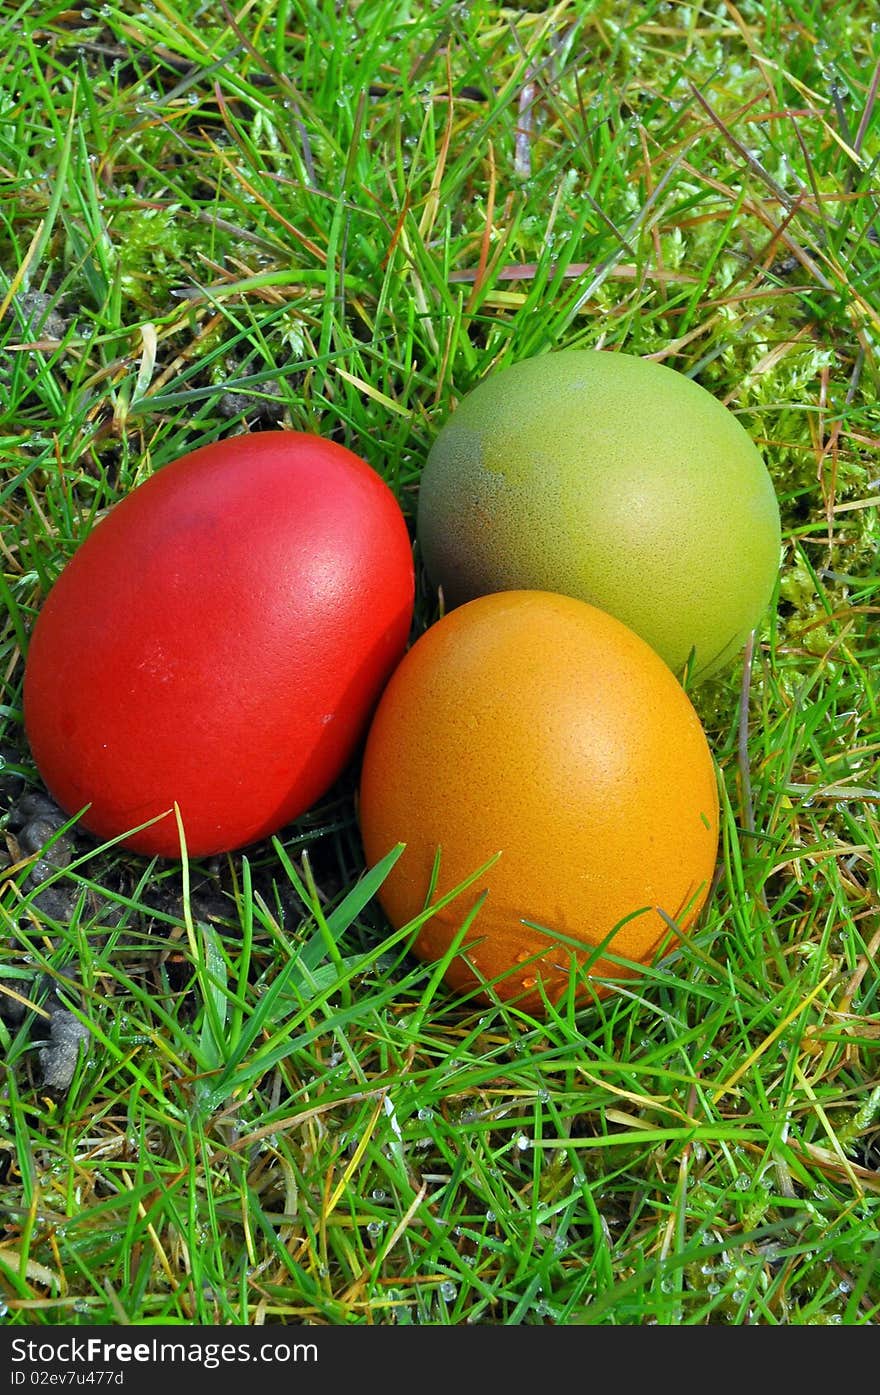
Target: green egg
{"type": "Point", "coordinates": [612, 479]}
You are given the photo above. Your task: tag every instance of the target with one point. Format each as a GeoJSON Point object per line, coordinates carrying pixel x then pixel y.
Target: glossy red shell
{"type": "Point", "coordinates": [220, 640]}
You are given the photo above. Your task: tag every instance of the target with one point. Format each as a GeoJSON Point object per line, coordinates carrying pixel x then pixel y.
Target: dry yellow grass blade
{"type": "Point", "coordinates": [769, 1040]}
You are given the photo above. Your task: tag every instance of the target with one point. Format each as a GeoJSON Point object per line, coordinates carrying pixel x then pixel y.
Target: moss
{"type": "Point", "coordinates": [154, 246]}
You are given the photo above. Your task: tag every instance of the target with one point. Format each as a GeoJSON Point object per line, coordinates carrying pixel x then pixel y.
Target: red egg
{"type": "Point", "coordinates": [219, 641]}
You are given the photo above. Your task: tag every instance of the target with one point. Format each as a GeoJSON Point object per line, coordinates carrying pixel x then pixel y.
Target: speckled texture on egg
{"type": "Point", "coordinates": [534, 725]}
{"type": "Point", "coordinates": [613, 479]}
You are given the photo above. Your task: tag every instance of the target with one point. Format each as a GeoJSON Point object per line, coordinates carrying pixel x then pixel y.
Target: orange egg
{"type": "Point", "coordinates": [534, 726]}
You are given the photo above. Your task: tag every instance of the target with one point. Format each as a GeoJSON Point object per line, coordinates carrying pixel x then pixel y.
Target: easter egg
{"type": "Point", "coordinates": [612, 479]}
{"type": "Point", "coordinates": [535, 729]}
{"type": "Point", "coordinates": [218, 642]}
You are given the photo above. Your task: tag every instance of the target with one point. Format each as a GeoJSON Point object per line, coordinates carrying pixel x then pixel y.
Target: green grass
{"type": "Point", "coordinates": [346, 216]}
